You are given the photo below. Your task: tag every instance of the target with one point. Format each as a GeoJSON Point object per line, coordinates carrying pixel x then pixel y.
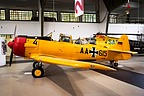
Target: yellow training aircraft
{"type": "Point", "coordinates": [65, 52]}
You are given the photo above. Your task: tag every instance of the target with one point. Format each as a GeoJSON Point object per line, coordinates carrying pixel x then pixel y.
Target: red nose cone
{"type": "Point", "coordinates": [18, 46]}
{"type": "Point", "coordinates": [11, 44]}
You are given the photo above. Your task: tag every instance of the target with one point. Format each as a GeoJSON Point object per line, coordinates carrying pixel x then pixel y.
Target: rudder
{"type": "Point", "coordinates": [123, 43]}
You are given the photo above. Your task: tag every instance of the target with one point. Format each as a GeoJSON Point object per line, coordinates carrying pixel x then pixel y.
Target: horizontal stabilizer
{"type": "Point", "coordinates": [121, 51]}
{"type": "Point", "coordinates": [72, 63]}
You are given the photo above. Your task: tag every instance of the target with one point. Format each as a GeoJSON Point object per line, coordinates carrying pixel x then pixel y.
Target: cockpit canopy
{"type": "Point", "coordinates": [68, 38]}
{"type": "Point", "coordinates": [65, 38]}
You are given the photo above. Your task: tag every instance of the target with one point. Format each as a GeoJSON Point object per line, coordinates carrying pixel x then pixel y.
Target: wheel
{"type": "Point", "coordinates": [37, 64]}
{"type": "Point", "coordinates": [115, 65]}
{"type": "Point", "coordinates": [38, 72]}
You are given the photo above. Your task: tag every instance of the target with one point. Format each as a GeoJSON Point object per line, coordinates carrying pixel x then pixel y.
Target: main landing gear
{"type": "Point", "coordinates": [114, 64]}
{"type": "Point", "coordinates": [37, 70]}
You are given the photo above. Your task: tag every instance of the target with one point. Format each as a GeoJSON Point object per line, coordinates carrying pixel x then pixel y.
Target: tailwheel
{"type": "Point", "coordinates": [37, 64]}
{"type": "Point", "coordinates": [38, 72]}
{"type": "Point", "coordinates": [114, 64]}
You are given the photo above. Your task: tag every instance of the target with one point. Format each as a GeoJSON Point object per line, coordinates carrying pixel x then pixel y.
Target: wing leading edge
{"type": "Point", "coordinates": [72, 63]}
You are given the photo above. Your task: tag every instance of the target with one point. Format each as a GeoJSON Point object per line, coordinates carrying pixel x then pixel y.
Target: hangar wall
{"type": "Point", "coordinates": [126, 29]}
{"type": "Point", "coordinates": [23, 28]}
{"type": "Point", "coordinates": [33, 28]}
{"type": "Point", "coordinates": [74, 29]}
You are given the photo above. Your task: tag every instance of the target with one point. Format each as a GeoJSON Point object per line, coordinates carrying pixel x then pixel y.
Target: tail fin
{"type": "Point", "coordinates": [121, 49]}
{"type": "Point", "coordinates": [123, 43]}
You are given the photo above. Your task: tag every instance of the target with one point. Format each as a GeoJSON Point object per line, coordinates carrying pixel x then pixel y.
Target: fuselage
{"type": "Point", "coordinates": [71, 51]}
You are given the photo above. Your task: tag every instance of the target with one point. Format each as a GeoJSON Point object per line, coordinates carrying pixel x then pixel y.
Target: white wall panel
{"type": "Point", "coordinates": [127, 29]}
{"type": "Point", "coordinates": [33, 28]}
{"type": "Point", "coordinates": [23, 28]}
{"type": "Point", "coordinates": [74, 29]}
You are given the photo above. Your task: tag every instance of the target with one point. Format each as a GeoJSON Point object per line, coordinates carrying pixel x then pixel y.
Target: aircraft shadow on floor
{"type": "Point", "coordinates": [57, 75]}
{"type": "Point", "coordinates": [127, 76]}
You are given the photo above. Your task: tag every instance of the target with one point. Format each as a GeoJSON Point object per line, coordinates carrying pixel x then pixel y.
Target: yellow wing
{"type": "Point", "coordinates": [72, 63]}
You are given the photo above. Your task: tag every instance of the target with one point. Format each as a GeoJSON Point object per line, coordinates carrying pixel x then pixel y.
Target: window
{"type": "Point", "coordinates": [2, 14]}
{"type": "Point", "coordinates": [89, 18]}
{"type": "Point", "coordinates": [69, 17]}
{"type": "Point", "coordinates": [50, 14]}
{"type": "Point", "coordinates": [20, 15]}
{"type": "Point", "coordinates": [113, 18]}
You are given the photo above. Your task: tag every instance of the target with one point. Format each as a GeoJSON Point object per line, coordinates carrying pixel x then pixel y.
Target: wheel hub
{"type": "Point", "coordinates": [37, 72]}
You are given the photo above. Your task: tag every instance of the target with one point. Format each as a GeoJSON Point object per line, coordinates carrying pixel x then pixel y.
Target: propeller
{"type": "Point", "coordinates": [11, 57]}
{"type": "Point", "coordinates": [12, 44]}
{"type": "Point", "coordinates": [15, 31]}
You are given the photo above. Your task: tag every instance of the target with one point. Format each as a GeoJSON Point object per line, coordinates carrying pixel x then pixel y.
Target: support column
{"type": "Point", "coordinates": [34, 13]}
{"type": "Point", "coordinates": [80, 18]}
{"type": "Point", "coordinates": [128, 18]}
{"type": "Point", "coordinates": [41, 16]}
{"type": "Point", "coordinates": [59, 16]}
{"type": "Point", "coordinates": [97, 11]}
{"type": "Point", "coordinates": [7, 14]}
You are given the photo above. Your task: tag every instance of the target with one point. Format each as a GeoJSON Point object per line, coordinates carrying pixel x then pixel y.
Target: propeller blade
{"type": "Point", "coordinates": [11, 57]}
{"type": "Point", "coordinates": [15, 30]}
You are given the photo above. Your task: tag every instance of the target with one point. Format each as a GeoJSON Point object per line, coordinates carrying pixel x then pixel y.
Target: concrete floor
{"type": "Point", "coordinates": [67, 81]}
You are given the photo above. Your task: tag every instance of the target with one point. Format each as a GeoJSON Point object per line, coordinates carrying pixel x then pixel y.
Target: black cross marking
{"type": "Point", "coordinates": [93, 51]}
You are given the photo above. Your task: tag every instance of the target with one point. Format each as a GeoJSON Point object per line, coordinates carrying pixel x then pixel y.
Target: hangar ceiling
{"type": "Point", "coordinates": [135, 5]}
{"type": "Point", "coordinates": [56, 4]}
{"type": "Point", "coordinates": [49, 5]}
{"type": "Point", "coordinates": [64, 5]}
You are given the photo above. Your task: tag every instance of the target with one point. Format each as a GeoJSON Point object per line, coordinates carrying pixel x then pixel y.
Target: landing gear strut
{"type": "Point", "coordinates": [37, 71]}
{"type": "Point", "coordinates": [114, 64]}
{"type": "Point", "coordinates": [37, 64]}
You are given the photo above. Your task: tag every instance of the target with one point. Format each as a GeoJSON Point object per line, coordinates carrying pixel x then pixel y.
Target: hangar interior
{"type": "Point", "coordinates": [100, 16]}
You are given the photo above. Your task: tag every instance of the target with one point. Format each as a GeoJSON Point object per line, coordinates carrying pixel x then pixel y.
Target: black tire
{"type": "Point", "coordinates": [115, 65]}
{"type": "Point", "coordinates": [37, 64]}
{"type": "Point", "coordinates": [38, 72]}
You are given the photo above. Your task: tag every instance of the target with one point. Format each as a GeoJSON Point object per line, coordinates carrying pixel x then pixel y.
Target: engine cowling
{"type": "Point", "coordinates": [18, 46]}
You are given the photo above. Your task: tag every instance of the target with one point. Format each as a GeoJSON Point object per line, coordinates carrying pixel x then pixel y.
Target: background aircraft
{"type": "Point", "coordinates": [65, 52]}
